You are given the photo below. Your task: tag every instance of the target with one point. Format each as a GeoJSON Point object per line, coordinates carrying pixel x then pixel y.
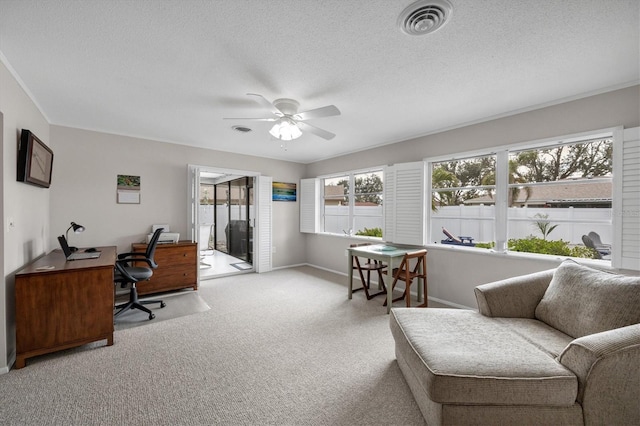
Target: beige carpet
{"type": "Point", "coordinates": [178, 304]}
{"type": "Point", "coordinates": [282, 348]}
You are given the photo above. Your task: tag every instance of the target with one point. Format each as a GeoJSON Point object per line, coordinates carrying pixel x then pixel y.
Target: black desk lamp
{"type": "Point", "coordinates": [77, 229]}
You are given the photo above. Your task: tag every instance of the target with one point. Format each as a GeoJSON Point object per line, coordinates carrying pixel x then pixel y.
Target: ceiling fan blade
{"type": "Point", "coordinates": [252, 119]}
{"type": "Point", "coordinates": [327, 111]}
{"type": "Point", "coordinates": [265, 103]}
{"type": "Point", "coordinates": [315, 130]}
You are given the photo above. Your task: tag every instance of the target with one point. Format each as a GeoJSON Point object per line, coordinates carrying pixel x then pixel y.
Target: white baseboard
{"type": "Point", "coordinates": [434, 299]}
{"type": "Point", "coordinates": [11, 360]}
{"type": "Point", "coordinates": [289, 266]}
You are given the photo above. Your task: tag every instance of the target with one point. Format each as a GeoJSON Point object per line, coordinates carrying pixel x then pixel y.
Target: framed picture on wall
{"type": "Point", "coordinates": [35, 160]}
{"type": "Point", "coordinates": [128, 189]}
{"type": "Point", "coordinates": [284, 191]}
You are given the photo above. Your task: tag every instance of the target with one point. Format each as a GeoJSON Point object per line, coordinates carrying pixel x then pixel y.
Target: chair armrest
{"type": "Point", "coordinates": [607, 365]}
{"type": "Point", "coordinates": [123, 271]}
{"type": "Point", "coordinates": [126, 262]}
{"type": "Point", "coordinates": [136, 254]}
{"type": "Point", "coordinates": [515, 297]}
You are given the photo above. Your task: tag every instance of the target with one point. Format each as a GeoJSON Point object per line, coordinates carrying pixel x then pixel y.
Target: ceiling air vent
{"type": "Point", "coordinates": [241, 129]}
{"type": "Point", "coordinates": [425, 16]}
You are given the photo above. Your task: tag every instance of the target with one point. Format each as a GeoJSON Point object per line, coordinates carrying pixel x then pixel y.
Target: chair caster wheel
{"type": "Point", "coordinates": [162, 304]}
{"type": "Point", "coordinates": [151, 316]}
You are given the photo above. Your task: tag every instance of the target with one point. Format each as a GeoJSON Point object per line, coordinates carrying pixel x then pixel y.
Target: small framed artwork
{"type": "Point", "coordinates": [284, 191]}
{"type": "Point", "coordinates": [128, 189]}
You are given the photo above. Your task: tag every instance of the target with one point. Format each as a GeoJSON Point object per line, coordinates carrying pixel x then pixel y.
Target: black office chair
{"type": "Point", "coordinates": [127, 273]}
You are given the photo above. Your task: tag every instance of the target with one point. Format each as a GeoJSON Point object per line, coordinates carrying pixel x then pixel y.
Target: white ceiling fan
{"type": "Point", "coordinates": [289, 123]}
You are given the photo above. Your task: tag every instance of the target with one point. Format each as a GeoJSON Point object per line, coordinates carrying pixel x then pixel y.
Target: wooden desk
{"type": "Point", "coordinates": [376, 252]}
{"type": "Point", "coordinates": [63, 307]}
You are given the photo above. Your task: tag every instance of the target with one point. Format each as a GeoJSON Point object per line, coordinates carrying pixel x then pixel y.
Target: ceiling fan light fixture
{"type": "Point", "coordinates": [285, 129]}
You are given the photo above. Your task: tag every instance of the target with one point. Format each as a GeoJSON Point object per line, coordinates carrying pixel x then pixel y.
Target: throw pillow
{"type": "Point", "coordinates": [581, 301]}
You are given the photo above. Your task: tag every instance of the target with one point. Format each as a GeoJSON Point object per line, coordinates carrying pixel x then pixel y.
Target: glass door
{"type": "Point", "coordinates": [239, 231]}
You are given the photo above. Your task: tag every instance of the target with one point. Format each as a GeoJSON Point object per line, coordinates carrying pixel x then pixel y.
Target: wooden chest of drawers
{"type": "Point", "coordinates": [177, 267]}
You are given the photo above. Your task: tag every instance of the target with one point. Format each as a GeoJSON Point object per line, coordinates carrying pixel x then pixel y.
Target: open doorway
{"type": "Point", "coordinates": [230, 219]}
{"type": "Point", "coordinates": [226, 215]}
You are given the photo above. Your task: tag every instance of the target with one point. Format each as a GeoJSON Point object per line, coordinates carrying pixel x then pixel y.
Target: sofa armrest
{"type": "Point", "coordinates": [607, 365]}
{"type": "Point", "coordinates": [515, 297]}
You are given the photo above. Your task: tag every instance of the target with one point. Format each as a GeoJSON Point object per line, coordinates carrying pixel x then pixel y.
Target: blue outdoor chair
{"type": "Point", "coordinates": [459, 241]}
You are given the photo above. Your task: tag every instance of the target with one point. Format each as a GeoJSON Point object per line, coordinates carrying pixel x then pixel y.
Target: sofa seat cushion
{"type": "Point", "coordinates": [581, 301]}
{"type": "Point", "coordinates": [462, 357]}
{"type": "Point", "coordinates": [539, 334]}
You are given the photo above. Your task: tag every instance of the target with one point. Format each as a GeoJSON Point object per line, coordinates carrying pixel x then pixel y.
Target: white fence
{"type": "Point", "coordinates": [478, 222]}
{"type": "Point", "coordinates": [205, 217]}
{"type": "Point", "coordinates": [336, 218]}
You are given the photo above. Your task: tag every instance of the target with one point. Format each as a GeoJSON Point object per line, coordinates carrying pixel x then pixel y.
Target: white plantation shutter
{"type": "Point", "coordinates": [263, 263]}
{"type": "Point", "coordinates": [309, 206]}
{"type": "Point", "coordinates": [404, 203]}
{"type": "Point", "coordinates": [626, 207]}
{"type": "Point", "coordinates": [388, 200]}
{"type": "Point", "coordinates": [193, 176]}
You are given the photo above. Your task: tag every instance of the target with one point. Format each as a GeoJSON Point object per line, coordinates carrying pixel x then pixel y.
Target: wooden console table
{"type": "Point", "coordinates": [61, 304]}
{"type": "Point", "coordinates": [177, 267]}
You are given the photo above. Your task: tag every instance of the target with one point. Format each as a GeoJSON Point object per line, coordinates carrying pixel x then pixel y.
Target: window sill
{"type": "Point", "coordinates": [352, 237]}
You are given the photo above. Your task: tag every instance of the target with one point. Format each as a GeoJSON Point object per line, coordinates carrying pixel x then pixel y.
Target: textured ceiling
{"type": "Point", "coordinates": [170, 70]}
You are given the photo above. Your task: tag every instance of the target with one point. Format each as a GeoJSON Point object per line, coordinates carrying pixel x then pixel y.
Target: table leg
{"type": "Point", "coordinates": [350, 275]}
{"type": "Point", "coordinates": [390, 285]}
{"type": "Point", "coordinates": [425, 302]}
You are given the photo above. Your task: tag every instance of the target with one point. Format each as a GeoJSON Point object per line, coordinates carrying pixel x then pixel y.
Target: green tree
{"type": "Point", "coordinates": [582, 160]}
{"type": "Point", "coordinates": [368, 188]}
{"type": "Point", "coordinates": [460, 175]}
{"type": "Point", "coordinates": [515, 177]}
{"type": "Point", "coordinates": [442, 178]}
{"type": "Point", "coordinates": [590, 159]}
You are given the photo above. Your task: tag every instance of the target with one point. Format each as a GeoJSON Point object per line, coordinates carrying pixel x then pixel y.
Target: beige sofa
{"type": "Point", "coordinates": [551, 348]}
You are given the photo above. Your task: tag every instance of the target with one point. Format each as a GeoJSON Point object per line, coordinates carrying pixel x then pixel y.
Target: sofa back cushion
{"type": "Point", "coordinates": [581, 301]}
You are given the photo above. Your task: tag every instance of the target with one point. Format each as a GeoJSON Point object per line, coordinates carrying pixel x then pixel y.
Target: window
{"type": "Point", "coordinates": [336, 205]}
{"type": "Point", "coordinates": [462, 198]}
{"type": "Point", "coordinates": [541, 198]}
{"type": "Point", "coordinates": [559, 195]}
{"type": "Point", "coordinates": [537, 197]}
{"type": "Point", "coordinates": [352, 203]}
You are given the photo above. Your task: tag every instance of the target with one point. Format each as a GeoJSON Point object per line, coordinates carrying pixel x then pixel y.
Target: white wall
{"type": "Point", "coordinates": [27, 205]}
{"type": "Point", "coordinates": [616, 108]}
{"type": "Point", "coordinates": [454, 273]}
{"type": "Point", "coordinates": [84, 189]}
